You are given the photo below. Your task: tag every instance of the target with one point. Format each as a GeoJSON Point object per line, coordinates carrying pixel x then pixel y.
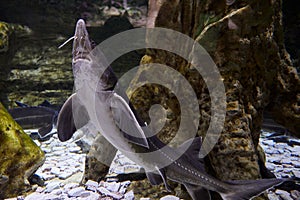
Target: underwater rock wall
{"type": "Point", "coordinates": [20, 157]}
{"type": "Point", "coordinates": [245, 39]}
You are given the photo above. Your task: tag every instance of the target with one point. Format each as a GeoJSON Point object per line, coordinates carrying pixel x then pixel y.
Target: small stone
{"type": "Point", "coordinates": [33, 196]}
{"type": "Point", "coordinates": [65, 175]}
{"type": "Point", "coordinates": [46, 167]}
{"type": "Point", "coordinates": [103, 190]}
{"type": "Point", "coordinates": [52, 186]}
{"type": "Point", "coordinates": [296, 149]}
{"type": "Point", "coordinates": [295, 154]}
{"type": "Point", "coordinates": [274, 159]}
{"type": "Point", "coordinates": [55, 171]}
{"type": "Point", "coordinates": [145, 198]}
{"type": "Point", "coordinates": [125, 161]}
{"type": "Point", "coordinates": [280, 145]}
{"type": "Point", "coordinates": [76, 192]}
{"type": "Point", "coordinates": [39, 189]}
{"type": "Point", "coordinates": [268, 142]}
{"type": "Point", "coordinates": [70, 186]}
{"type": "Point", "coordinates": [295, 194]}
{"type": "Point", "coordinates": [113, 186]}
{"type": "Point", "coordinates": [37, 143]}
{"type": "Point", "coordinates": [57, 191]}
{"type": "Point", "coordinates": [273, 196]}
{"type": "Point", "coordinates": [169, 197]}
{"type": "Point", "coordinates": [75, 149]}
{"type": "Point", "coordinates": [48, 176]}
{"type": "Point", "coordinates": [124, 186]}
{"type": "Point", "coordinates": [296, 163]}
{"type": "Point", "coordinates": [58, 148]}
{"type": "Point", "coordinates": [129, 195]}
{"type": "Point", "coordinates": [296, 173]}
{"type": "Point", "coordinates": [283, 194]}
{"type": "Point", "coordinates": [106, 192]}
{"type": "Point", "coordinates": [270, 166]}
{"type": "Point", "coordinates": [50, 197]}
{"type": "Point", "coordinates": [287, 170]}
{"type": "Point", "coordinates": [91, 185]}
{"type": "Point", "coordinates": [118, 170]}
{"type": "Point", "coordinates": [91, 196]}
{"type": "Point", "coordinates": [286, 161]}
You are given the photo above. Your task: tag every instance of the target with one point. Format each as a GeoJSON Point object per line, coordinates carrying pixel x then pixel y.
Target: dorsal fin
{"type": "Point", "coordinates": [190, 149]}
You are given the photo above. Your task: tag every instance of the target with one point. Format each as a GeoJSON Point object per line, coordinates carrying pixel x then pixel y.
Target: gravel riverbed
{"type": "Point", "coordinates": [64, 167]}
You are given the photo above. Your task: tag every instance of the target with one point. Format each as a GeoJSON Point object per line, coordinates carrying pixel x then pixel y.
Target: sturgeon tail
{"type": "Point", "coordinates": [247, 189]}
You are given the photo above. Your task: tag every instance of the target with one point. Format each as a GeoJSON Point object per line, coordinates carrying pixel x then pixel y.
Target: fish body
{"type": "Point", "coordinates": [96, 101]}
{"type": "Point", "coordinates": [43, 117]}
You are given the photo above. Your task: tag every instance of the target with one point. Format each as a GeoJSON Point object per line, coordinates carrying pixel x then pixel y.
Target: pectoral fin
{"type": "Point", "coordinates": [127, 122]}
{"type": "Point", "coordinates": [71, 117]}
{"type": "Point", "coordinates": [158, 178]}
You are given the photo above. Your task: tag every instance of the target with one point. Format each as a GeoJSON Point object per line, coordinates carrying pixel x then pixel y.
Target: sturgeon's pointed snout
{"type": "Point", "coordinates": [81, 44]}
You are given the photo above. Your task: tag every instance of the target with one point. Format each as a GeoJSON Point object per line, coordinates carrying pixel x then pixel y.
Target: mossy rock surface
{"type": "Point", "coordinates": [19, 157]}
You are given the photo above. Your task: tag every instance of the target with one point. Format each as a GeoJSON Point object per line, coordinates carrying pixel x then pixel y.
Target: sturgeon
{"type": "Point", "coordinates": [43, 117]}
{"type": "Point", "coordinates": [118, 123]}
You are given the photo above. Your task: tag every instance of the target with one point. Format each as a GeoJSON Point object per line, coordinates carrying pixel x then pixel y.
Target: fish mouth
{"type": "Point", "coordinates": [81, 45]}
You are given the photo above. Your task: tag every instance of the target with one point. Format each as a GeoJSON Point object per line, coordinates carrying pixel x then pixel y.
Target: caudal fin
{"type": "Point", "coordinates": [247, 189]}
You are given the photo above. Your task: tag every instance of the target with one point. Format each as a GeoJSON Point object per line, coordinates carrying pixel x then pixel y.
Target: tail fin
{"type": "Point", "coordinates": [247, 189]}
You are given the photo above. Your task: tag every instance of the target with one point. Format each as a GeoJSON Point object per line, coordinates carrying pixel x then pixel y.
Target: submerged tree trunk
{"type": "Point", "coordinates": [245, 40]}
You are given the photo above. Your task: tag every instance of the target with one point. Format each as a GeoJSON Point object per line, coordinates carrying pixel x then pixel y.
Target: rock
{"type": "Point", "coordinates": [52, 186]}
{"type": "Point", "coordinates": [64, 175]}
{"type": "Point", "coordinates": [75, 149]}
{"type": "Point", "coordinates": [90, 196]}
{"type": "Point", "coordinates": [20, 156]}
{"type": "Point", "coordinates": [124, 186]}
{"type": "Point", "coordinates": [39, 189]}
{"type": "Point", "coordinates": [283, 194]}
{"type": "Point", "coordinates": [48, 176]}
{"type": "Point", "coordinates": [33, 196]}
{"type": "Point", "coordinates": [286, 161]}
{"type": "Point", "coordinates": [57, 191]}
{"type": "Point", "coordinates": [269, 143]}
{"type": "Point", "coordinates": [77, 192]}
{"type": "Point", "coordinates": [113, 186]}
{"type": "Point", "coordinates": [129, 195]}
{"type": "Point", "coordinates": [49, 197]}
{"type": "Point", "coordinates": [169, 197]}
{"type": "Point", "coordinates": [273, 196]}
{"type": "Point", "coordinates": [55, 171]}
{"type": "Point", "coordinates": [295, 194]}
{"type": "Point", "coordinates": [70, 186]}
{"type": "Point", "coordinates": [106, 192]}
{"type": "Point", "coordinates": [296, 173]}
{"type": "Point", "coordinates": [91, 185]}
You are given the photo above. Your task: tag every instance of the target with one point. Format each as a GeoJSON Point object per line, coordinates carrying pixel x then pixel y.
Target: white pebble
{"type": "Point", "coordinates": [169, 197]}
{"type": "Point", "coordinates": [76, 192]}
{"type": "Point", "coordinates": [129, 195]}
{"type": "Point", "coordinates": [52, 186]}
